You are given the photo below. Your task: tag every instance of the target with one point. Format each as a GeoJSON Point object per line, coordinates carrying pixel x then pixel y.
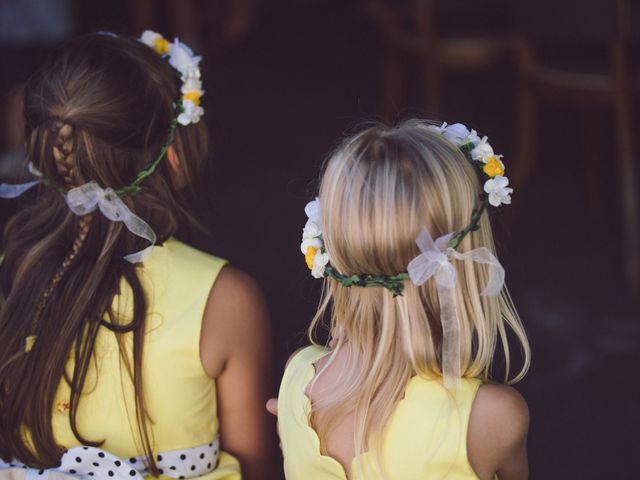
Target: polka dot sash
{"type": "Point", "coordinates": [89, 463]}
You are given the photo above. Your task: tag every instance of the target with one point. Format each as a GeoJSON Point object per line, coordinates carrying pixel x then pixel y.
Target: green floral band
{"type": "Point", "coordinates": [495, 192]}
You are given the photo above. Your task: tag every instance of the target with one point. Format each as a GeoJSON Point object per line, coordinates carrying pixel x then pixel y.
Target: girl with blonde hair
{"type": "Point", "coordinates": [124, 353]}
{"type": "Point", "coordinates": [415, 308]}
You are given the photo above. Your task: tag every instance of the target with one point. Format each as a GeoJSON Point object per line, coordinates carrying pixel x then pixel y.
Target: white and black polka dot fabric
{"type": "Point", "coordinates": [89, 463]}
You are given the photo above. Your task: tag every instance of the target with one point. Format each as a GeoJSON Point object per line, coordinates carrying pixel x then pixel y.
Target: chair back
{"type": "Point", "coordinates": [575, 21]}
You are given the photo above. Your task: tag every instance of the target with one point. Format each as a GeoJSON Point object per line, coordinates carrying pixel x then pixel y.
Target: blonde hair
{"type": "Point", "coordinates": [378, 189]}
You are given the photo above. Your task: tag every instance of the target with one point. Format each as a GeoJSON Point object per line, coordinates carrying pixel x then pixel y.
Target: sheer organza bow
{"type": "Point", "coordinates": [435, 261]}
{"type": "Point", "coordinates": [90, 196]}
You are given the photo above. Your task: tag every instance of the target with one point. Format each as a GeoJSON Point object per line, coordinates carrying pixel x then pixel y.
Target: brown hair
{"type": "Point", "coordinates": [99, 110]}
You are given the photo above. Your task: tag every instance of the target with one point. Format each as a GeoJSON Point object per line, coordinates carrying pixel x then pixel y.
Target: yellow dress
{"type": "Point", "coordinates": [425, 437]}
{"type": "Point", "coordinates": [180, 397]}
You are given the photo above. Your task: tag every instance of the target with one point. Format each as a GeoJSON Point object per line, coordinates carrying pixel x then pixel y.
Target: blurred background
{"type": "Point", "coordinates": [555, 85]}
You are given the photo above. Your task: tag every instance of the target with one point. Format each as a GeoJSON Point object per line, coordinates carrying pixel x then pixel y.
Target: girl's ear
{"type": "Point", "coordinates": [175, 164]}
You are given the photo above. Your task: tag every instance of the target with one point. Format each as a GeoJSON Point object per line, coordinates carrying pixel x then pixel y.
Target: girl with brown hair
{"type": "Point", "coordinates": [124, 352]}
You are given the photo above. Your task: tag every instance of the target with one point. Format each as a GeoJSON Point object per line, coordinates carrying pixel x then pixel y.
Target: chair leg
{"type": "Point", "coordinates": [433, 92]}
{"type": "Point", "coordinates": [627, 165]}
{"type": "Point", "coordinates": [525, 135]}
{"type": "Point", "coordinates": [592, 158]}
{"type": "Point", "coordinates": [393, 83]}
{"type": "Point", "coordinates": [429, 58]}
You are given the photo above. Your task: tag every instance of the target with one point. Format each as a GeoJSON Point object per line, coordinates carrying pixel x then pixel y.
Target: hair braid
{"type": "Point", "coordinates": [63, 147]}
{"type": "Point", "coordinates": [63, 150]}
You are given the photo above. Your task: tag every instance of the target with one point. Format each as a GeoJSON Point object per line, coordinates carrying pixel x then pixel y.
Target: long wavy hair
{"type": "Point", "coordinates": [377, 191]}
{"type": "Point", "coordinates": [98, 110]}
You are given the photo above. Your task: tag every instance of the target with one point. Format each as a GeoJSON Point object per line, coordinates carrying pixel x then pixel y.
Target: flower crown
{"type": "Point", "coordinates": [496, 192]}
{"type": "Point", "coordinates": [91, 196]}
{"type": "Point", "coordinates": [186, 63]}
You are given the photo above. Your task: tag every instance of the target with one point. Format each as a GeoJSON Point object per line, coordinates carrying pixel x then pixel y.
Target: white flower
{"type": "Point", "coordinates": [311, 237]}
{"type": "Point", "coordinates": [436, 128]}
{"type": "Point", "coordinates": [308, 243]}
{"type": "Point", "coordinates": [186, 63]}
{"type": "Point", "coordinates": [191, 113]}
{"type": "Point", "coordinates": [182, 59]}
{"type": "Point", "coordinates": [319, 263]}
{"type": "Point", "coordinates": [191, 75]}
{"type": "Point", "coordinates": [498, 191]}
{"type": "Point", "coordinates": [483, 151]}
{"type": "Point", "coordinates": [312, 209]}
{"type": "Point", "coordinates": [149, 38]}
{"type": "Point", "coordinates": [473, 138]}
{"type": "Point", "coordinates": [317, 258]}
{"type": "Point", "coordinates": [456, 133]}
{"type": "Point", "coordinates": [311, 230]}
{"type": "Point", "coordinates": [192, 85]}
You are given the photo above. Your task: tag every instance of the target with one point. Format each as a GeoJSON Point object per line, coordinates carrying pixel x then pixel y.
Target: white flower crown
{"type": "Point", "coordinates": [479, 150]}
{"type": "Point", "coordinates": [496, 192]}
{"type": "Point", "coordinates": [186, 63]}
{"type": "Point", "coordinates": [436, 256]}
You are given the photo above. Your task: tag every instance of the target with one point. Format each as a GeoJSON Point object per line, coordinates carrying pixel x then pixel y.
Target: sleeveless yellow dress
{"type": "Point", "coordinates": [425, 438]}
{"type": "Point", "coordinates": [180, 397]}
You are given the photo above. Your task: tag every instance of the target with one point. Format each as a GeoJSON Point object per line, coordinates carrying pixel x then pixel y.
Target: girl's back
{"type": "Point", "coordinates": [425, 437]}
{"type": "Point", "coordinates": [180, 396]}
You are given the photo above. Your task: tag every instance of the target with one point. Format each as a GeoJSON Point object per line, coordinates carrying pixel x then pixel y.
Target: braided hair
{"type": "Point", "coordinates": [63, 156]}
{"type": "Point", "coordinates": [98, 110]}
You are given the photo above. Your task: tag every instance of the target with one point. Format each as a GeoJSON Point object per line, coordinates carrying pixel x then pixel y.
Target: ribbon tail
{"type": "Point", "coordinates": [8, 190]}
{"type": "Point", "coordinates": [484, 256]}
{"type": "Point", "coordinates": [116, 210]}
{"type": "Point", "coordinates": [450, 337]}
{"type": "Point", "coordinates": [496, 280]}
{"type": "Point", "coordinates": [139, 227]}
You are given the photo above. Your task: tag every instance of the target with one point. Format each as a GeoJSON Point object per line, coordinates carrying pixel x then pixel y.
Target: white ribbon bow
{"type": "Point", "coordinates": [86, 198]}
{"type": "Point", "coordinates": [90, 196]}
{"type": "Point", "coordinates": [435, 261]}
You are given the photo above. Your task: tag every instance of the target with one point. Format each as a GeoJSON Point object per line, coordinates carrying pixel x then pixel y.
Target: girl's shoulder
{"type": "Point", "coordinates": [500, 410]}
{"type": "Point", "coordinates": [235, 320]}
{"type": "Point", "coordinates": [498, 427]}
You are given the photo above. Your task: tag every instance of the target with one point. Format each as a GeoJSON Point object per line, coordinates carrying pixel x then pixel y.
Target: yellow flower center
{"type": "Point", "coordinates": [493, 167]}
{"type": "Point", "coordinates": [161, 45]}
{"type": "Point", "coordinates": [310, 256]}
{"type": "Point", "coordinates": [193, 96]}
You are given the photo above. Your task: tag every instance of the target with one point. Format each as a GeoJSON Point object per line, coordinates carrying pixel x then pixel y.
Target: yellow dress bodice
{"type": "Point", "coordinates": [425, 437]}
{"type": "Point", "coordinates": [180, 398]}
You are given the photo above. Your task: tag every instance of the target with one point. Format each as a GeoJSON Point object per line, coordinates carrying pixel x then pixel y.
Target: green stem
{"type": "Point", "coordinates": [393, 283]}
{"type": "Point", "coordinates": [135, 187]}
{"type": "Point", "coordinates": [456, 240]}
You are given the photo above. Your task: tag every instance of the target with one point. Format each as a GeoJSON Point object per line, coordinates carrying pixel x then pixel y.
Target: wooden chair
{"type": "Point", "coordinates": [410, 36]}
{"type": "Point", "coordinates": [579, 26]}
